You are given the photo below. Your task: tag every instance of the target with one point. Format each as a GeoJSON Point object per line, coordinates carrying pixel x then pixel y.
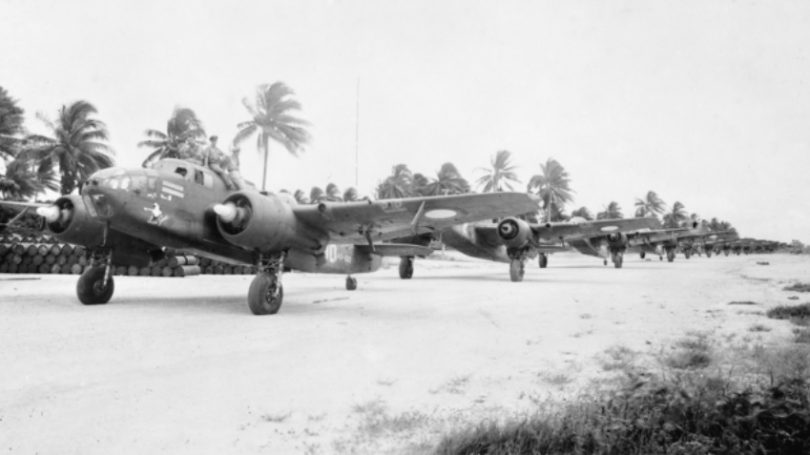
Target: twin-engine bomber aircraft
{"type": "Point", "coordinates": [514, 240]}
{"type": "Point", "coordinates": [130, 216]}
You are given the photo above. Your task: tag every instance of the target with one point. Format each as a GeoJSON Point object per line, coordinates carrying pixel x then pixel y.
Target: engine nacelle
{"type": "Point", "coordinates": [515, 233]}
{"type": "Point", "coordinates": [266, 223]}
{"type": "Point", "coordinates": [71, 222]}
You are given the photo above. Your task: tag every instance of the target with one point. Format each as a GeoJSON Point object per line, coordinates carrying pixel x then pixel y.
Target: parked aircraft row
{"type": "Point", "coordinates": [131, 216]}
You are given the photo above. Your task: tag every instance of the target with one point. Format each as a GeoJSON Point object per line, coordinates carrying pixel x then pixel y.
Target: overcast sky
{"type": "Point", "coordinates": [707, 103]}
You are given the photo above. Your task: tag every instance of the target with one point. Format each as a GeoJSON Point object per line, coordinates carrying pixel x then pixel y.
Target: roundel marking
{"type": "Point", "coordinates": [440, 214]}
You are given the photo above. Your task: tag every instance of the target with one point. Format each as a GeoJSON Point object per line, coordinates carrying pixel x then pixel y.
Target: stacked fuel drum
{"type": "Point", "coordinates": [42, 254]}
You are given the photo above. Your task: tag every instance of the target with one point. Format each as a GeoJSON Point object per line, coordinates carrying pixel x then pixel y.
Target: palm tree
{"type": "Point", "coordinates": [80, 147]}
{"type": "Point", "coordinates": [300, 197]}
{"type": "Point", "coordinates": [11, 125]}
{"type": "Point", "coordinates": [272, 118]}
{"type": "Point", "coordinates": [333, 193]}
{"type": "Point", "coordinates": [183, 127]}
{"type": "Point", "coordinates": [651, 205]}
{"type": "Point", "coordinates": [582, 212]}
{"type": "Point", "coordinates": [397, 185]}
{"type": "Point", "coordinates": [420, 185]}
{"type": "Point", "coordinates": [500, 175]}
{"type": "Point", "coordinates": [316, 195]}
{"type": "Point", "coordinates": [552, 184]}
{"type": "Point", "coordinates": [350, 194]}
{"type": "Point", "coordinates": [612, 211]}
{"type": "Point", "coordinates": [26, 178]}
{"type": "Point", "coordinates": [448, 181]}
{"type": "Point", "coordinates": [677, 216]}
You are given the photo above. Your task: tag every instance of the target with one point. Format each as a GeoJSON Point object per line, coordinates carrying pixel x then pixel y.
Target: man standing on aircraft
{"type": "Point", "coordinates": [215, 159]}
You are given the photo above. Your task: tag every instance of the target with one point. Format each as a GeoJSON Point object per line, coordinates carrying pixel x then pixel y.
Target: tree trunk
{"type": "Point", "coordinates": [264, 175]}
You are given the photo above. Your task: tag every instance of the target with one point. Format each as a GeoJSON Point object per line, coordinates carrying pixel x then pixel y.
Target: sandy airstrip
{"type": "Point", "coordinates": [180, 366]}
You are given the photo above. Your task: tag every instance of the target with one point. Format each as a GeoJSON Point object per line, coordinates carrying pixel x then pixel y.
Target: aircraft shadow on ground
{"type": "Point", "coordinates": [294, 303]}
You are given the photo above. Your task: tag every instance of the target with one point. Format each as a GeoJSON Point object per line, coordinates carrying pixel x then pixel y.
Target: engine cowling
{"type": "Point", "coordinates": [515, 233]}
{"type": "Point", "coordinates": [263, 222]}
{"type": "Point", "coordinates": [617, 239]}
{"type": "Point", "coordinates": [71, 222]}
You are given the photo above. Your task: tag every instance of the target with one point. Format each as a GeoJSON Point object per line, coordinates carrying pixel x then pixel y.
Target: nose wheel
{"type": "Point", "coordinates": [351, 283]}
{"type": "Point", "coordinates": [266, 292]}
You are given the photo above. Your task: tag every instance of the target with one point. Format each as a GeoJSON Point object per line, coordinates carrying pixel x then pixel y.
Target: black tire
{"type": "Point", "coordinates": [351, 283]}
{"type": "Point", "coordinates": [604, 261]}
{"type": "Point", "coordinates": [516, 270]}
{"type": "Point", "coordinates": [543, 260]}
{"type": "Point", "coordinates": [643, 254]}
{"type": "Point", "coordinates": [406, 267]}
{"type": "Point", "coordinates": [90, 290]}
{"type": "Point", "coordinates": [670, 256]}
{"type": "Point", "coordinates": [265, 295]}
{"type": "Point", "coordinates": [617, 260]}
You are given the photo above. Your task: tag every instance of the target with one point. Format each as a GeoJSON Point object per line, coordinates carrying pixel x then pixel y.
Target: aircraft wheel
{"type": "Point", "coordinates": [642, 254]}
{"type": "Point", "coordinates": [604, 261]}
{"type": "Point", "coordinates": [516, 270]}
{"type": "Point", "coordinates": [265, 294]}
{"type": "Point", "coordinates": [90, 288]}
{"type": "Point", "coordinates": [670, 256]}
{"type": "Point", "coordinates": [660, 258]}
{"type": "Point", "coordinates": [617, 260]}
{"type": "Point", "coordinates": [351, 283]}
{"type": "Point", "coordinates": [406, 267]}
{"type": "Point", "coordinates": [543, 260]}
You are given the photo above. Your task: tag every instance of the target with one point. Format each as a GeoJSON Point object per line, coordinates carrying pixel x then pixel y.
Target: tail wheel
{"type": "Point", "coordinates": [406, 267]}
{"type": "Point", "coordinates": [265, 294]}
{"type": "Point", "coordinates": [543, 260]}
{"type": "Point", "coordinates": [91, 289]}
{"type": "Point", "coordinates": [351, 283]}
{"type": "Point", "coordinates": [516, 270]}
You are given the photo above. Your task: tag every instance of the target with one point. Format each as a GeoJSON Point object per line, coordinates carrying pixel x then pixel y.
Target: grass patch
{"type": "Point", "coordinates": [375, 419]}
{"type": "Point", "coordinates": [455, 385]}
{"type": "Point", "coordinates": [759, 328]}
{"type": "Point", "coordinates": [742, 302]}
{"type": "Point", "coordinates": [619, 358]}
{"type": "Point", "coordinates": [798, 314]}
{"type": "Point", "coordinates": [801, 336]}
{"type": "Point", "coordinates": [798, 287]}
{"type": "Point", "coordinates": [678, 413]}
{"type": "Point", "coordinates": [690, 353]}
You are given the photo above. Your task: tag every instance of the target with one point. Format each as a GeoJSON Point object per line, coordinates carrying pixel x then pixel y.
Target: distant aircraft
{"type": "Point", "coordinates": [514, 240]}
{"type": "Point", "coordinates": [130, 216]}
{"type": "Point", "coordinates": [667, 241]}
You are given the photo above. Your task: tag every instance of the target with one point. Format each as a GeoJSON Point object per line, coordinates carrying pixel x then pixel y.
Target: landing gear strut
{"type": "Point", "coordinates": [617, 257]}
{"type": "Point", "coordinates": [96, 285]}
{"type": "Point", "coordinates": [266, 292]}
{"type": "Point", "coordinates": [406, 267]}
{"type": "Point", "coordinates": [517, 263]}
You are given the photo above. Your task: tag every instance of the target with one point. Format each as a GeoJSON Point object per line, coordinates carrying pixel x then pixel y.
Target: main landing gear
{"type": "Point", "coordinates": [266, 292]}
{"type": "Point", "coordinates": [351, 283]}
{"type": "Point", "coordinates": [406, 267]}
{"type": "Point", "coordinates": [670, 254]}
{"type": "Point", "coordinates": [96, 285]}
{"type": "Point", "coordinates": [543, 260]}
{"type": "Point", "coordinates": [517, 264]}
{"type": "Point", "coordinates": [617, 257]}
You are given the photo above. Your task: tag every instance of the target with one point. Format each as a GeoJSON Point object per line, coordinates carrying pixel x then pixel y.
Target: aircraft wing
{"type": "Point", "coordinates": [596, 228]}
{"type": "Point", "coordinates": [358, 222]}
